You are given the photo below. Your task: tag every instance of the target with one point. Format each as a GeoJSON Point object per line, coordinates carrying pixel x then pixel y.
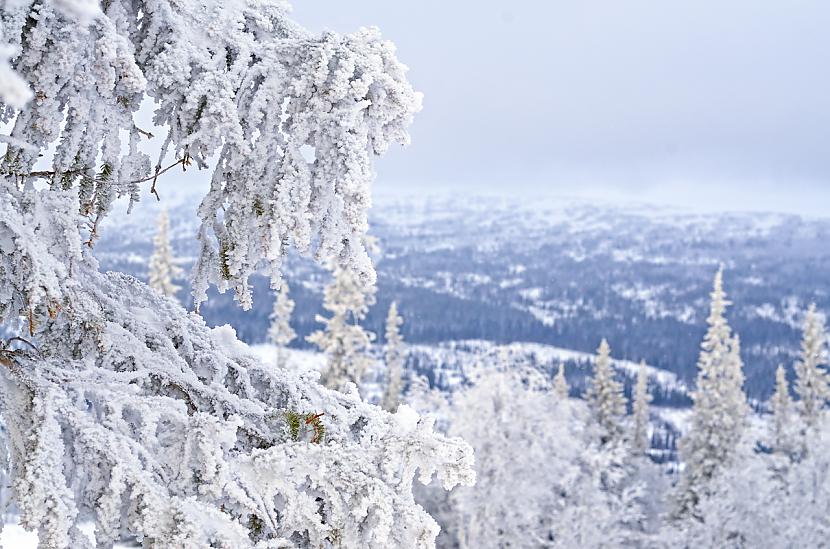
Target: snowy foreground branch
{"type": "Point", "coordinates": [136, 413]}
{"type": "Point", "coordinates": [238, 85]}
{"type": "Point", "coordinates": [128, 411]}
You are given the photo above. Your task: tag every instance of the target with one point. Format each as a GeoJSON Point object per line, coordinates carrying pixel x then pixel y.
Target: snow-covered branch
{"type": "Point", "coordinates": [131, 412]}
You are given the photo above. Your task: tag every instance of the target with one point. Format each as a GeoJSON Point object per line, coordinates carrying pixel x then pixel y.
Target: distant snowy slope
{"type": "Point", "coordinates": [563, 272]}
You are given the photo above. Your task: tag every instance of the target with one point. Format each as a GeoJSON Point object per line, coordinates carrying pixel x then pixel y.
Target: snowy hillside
{"type": "Point", "coordinates": [560, 272]}
{"type": "Point", "coordinates": [451, 367]}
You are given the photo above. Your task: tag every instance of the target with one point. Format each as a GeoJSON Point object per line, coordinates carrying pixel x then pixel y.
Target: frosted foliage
{"type": "Point", "coordinates": [542, 480]}
{"type": "Point", "coordinates": [422, 397]}
{"type": "Point", "coordinates": [605, 396]}
{"type": "Point", "coordinates": [783, 420]}
{"type": "Point", "coordinates": [343, 340]}
{"type": "Point", "coordinates": [811, 384]}
{"type": "Point", "coordinates": [126, 410]}
{"type": "Point", "coordinates": [39, 252]}
{"type": "Point", "coordinates": [169, 431]}
{"type": "Point", "coordinates": [280, 332]}
{"type": "Point", "coordinates": [163, 267]}
{"type": "Point", "coordinates": [241, 89]}
{"type": "Point", "coordinates": [604, 505]}
{"type": "Point", "coordinates": [394, 357]}
{"type": "Point", "coordinates": [756, 503]}
{"type": "Point", "coordinates": [560, 383]}
{"type": "Point", "coordinates": [720, 408]}
{"type": "Point", "coordinates": [640, 435]}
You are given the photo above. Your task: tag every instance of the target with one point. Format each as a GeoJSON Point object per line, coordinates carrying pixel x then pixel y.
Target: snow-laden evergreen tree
{"type": "Point", "coordinates": [607, 465]}
{"type": "Point", "coordinates": [811, 383]}
{"type": "Point", "coordinates": [783, 420]}
{"type": "Point", "coordinates": [719, 412]}
{"type": "Point", "coordinates": [163, 267]}
{"type": "Point", "coordinates": [640, 441]}
{"type": "Point", "coordinates": [605, 397]}
{"type": "Point", "coordinates": [560, 383]}
{"type": "Point", "coordinates": [128, 411]}
{"type": "Point", "coordinates": [394, 357]}
{"type": "Point", "coordinates": [344, 341]}
{"type": "Point", "coordinates": [280, 332]}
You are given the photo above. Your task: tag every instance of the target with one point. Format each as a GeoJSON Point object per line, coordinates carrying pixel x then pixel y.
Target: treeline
{"type": "Point", "coordinates": [555, 471]}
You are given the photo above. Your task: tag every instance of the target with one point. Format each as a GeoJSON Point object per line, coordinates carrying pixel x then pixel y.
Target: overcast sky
{"type": "Point", "coordinates": [657, 100]}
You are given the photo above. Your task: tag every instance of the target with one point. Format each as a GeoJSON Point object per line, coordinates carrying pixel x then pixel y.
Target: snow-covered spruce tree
{"type": "Point", "coordinates": [606, 465]}
{"type": "Point", "coordinates": [784, 437]}
{"type": "Point", "coordinates": [129, 411]}
{"type": "Point", "coordinates": [640, 441]}
{"type": "Point", "coordinates": [560, 383]}
{"type": "Point", "coordinates": [605, 397]}
{"type": "Point", "coordinates": [394, 356]}
{"type": "Point", "coordinates": [811, 383]}
{"type": "Point", "coordinates": [240, 81]}
{"type": "Point", "coordinates": [280, 332]}
{"type": "Point", "coordinates": [163, 267]}
{"type": "Point", "coordinates": [719, 413]}
{"type": "Point", "coordinates": [343, 339]}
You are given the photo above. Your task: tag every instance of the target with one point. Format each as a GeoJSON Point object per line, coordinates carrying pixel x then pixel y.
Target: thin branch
{"type": "Point", "coordinates": [155, 180]}
{"type": "Point", "coordinates": [145, 133]}
{"type": "Point", "coordinates": [43, 173]}
{"type": "Point", "coordinates": [23, 340]}
{"type": "Point", "coordinates": [184, 162]}
{"type": "Point", "coordinates": [93, 231]}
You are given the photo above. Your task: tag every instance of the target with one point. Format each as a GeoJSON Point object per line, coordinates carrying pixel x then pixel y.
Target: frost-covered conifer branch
{"type": "Point", "coordinates": [134, 414]}
{"type": "Point", "coordinates": [152, 407]}
{"type": "Point", "coordinates": [238, 82]}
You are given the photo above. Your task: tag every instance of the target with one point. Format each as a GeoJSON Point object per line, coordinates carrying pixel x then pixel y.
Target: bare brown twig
{"type": "Point", "coordinates": [184, 161]}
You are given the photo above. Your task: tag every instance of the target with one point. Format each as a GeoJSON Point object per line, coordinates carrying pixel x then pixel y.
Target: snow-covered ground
{"type": "Point", "coordinates": [297, 359]}
{"type": "Point", "coordinates": [452, 358]}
